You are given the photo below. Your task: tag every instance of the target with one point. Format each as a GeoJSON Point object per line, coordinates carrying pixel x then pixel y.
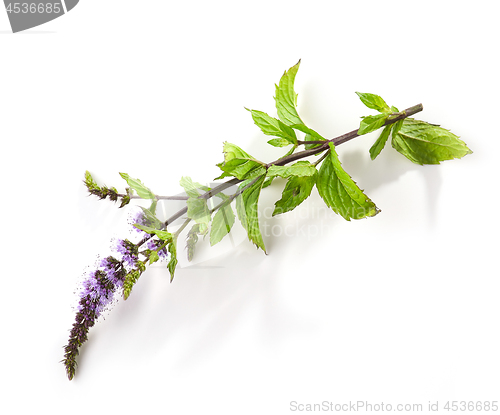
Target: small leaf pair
{"type": "Point", "coordinates": [419, 141]}
{"type": "Point", "coordinates": [239, 164]}
{"type": "Point", "coordinates": [374, 122]}
{"type": "Point", "coordinates": [276, 128]}
{"type": "Point", "coordinates": [199, 211]}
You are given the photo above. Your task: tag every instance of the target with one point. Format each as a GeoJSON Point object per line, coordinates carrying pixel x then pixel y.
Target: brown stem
{"type": "Point", "coordinates": [296, 156]}
{"type": "Point", "coordinates": [342, 139]}
{"type": "Point", "coordinates": [160, 197]}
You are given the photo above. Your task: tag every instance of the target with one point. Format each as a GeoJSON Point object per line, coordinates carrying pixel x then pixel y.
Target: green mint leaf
{"type": "Point", "coordinates": [153, 257]}
{"type": "Point", "coordinates": [286, 98]}
{"type": "Point", "coordinates": [397, 127]}
{"type": "Point", "coordinates": [232, 151]}
{"type": "Point", "coordinates": [223, 175]}
{"type": "Point", "coordinates": [221, 225]}
{"type": "Point", "coordinates": [172, 264]}
{"type": "Point", "coordinates": [247, 210]}
{"type": "Point", "coordinates": [301, 168]}
{"type": "Point", "coordinates": [202, 229]}
{"type": "Point", "coordinates": [297, 190]}
{"type": "Point", "coordinates": [152, 207]}
{"type": "Point", "coordinates": [340, 192]}
{"type": "Point", "coordinates": [279, 142]}
{"type": "Point", "coordinates": [374, 102]}
{"type": "Point", "coordinates": [163, 235]}
{"type": "Point", "coordinates": [198, 210]}
{"type": "Point", "coordinates": [192, 189]}
{"type": "Point", "coordinates": [425, 143]}
{"type": "Point", "coordinates": [239, 164]}
{"type": "Point", "coordinates": [372, 123]}
{"type": "Point", "coordinates": [197, 207]}
{"type": "Point", "coordinates": [267, 182]}
{"type": "Point", "coordinates": [307, 130]}
{"type": "Point", "coordinates": [272, 126]}
{"type": "Point", "coordinates": [142, 191]}
{"type": "Point", "coordinates": [379, 145]}
{"type": "Point", "coordinates": [152, 219]}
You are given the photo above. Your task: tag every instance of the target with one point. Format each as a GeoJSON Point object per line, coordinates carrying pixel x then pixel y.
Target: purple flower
{"type": "Point", "coordinates": [163, 253]}
{"type": "Point", "coordinates": [153, 245]}
{"type": "Point", "coordinates": [112, 267]}
{"type": "Point", "coordinates": [97, 293]}
{"type": "Point", "coordinates": [141, 219]}
{"type": "Point", "coordinates": [128, 250]}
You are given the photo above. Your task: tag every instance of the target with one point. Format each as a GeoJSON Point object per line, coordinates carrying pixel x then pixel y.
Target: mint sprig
{"type": "Point", "coordinates": [317, 165]}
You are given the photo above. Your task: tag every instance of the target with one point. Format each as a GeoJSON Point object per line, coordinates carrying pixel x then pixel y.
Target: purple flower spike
{"type": "Point", "coordinates": [129, 252]}
{"type": "Point", "coordinates": [97, 293]}
{"type": "Point", "coordinates": [111, 267]}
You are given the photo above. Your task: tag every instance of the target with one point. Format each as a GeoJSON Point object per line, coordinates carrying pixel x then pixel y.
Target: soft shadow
{"type": "Point", "coordinates": [389, 167]}
{"type": "Point", "coordinates": [212, 305]}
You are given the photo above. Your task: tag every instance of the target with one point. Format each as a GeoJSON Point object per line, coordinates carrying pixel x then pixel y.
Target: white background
{"type": "Point", "coordinates": [399, 308]}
